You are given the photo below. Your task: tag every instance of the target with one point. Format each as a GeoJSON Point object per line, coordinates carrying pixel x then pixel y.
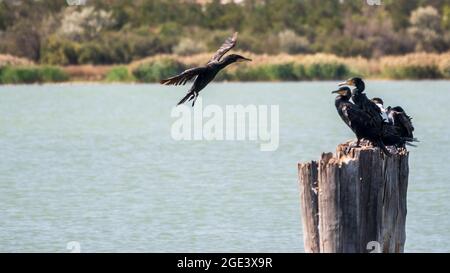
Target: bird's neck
{"type": "Point", "coordinates": [360, 88]}
{"type": "Point", "coordinates": [340, 99]}
{"type": "Point", "coordinates": [225, 62]}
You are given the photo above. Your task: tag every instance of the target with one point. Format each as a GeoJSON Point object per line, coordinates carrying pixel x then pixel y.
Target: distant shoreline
{"type": "Point", "coordinates": [214, 82]}
{"type": "Point", "coordinates": [264, 68]}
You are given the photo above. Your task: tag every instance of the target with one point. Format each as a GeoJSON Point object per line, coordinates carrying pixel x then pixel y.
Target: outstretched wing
{"type": "Point", "coordinates": [184, 77]}
{"type": "Point", "coordinates": [403, 120]}
{"type": "Point", "coordinates": [229, 43]}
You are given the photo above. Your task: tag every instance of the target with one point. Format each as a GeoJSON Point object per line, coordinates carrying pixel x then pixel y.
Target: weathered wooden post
{"type": "Point", "coordinates": [355, 202]}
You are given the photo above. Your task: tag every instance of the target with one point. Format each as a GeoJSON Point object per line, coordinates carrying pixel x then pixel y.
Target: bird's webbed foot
{"type": "Point", "coordinates": [195, 98]}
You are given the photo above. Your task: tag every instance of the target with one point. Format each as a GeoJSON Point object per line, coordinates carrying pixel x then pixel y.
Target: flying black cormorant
{"type": "Point", "coordinates": [205, 74]}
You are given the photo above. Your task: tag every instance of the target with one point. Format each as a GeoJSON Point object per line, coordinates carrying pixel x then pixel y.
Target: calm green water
{"type": "Point", "coordinates": [96, 164]}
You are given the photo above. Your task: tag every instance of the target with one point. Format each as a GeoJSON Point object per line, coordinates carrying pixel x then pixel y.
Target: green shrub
{"type": "Point", "coordinates": [92, 53]}
{"type": "Point", "coordinates": [445, 71]}
{"type": "Point", "coordinates": [327, 71]}
{"type": "Point", "coordinates": [225, 75]}
{"type": "Point", "coordinates": [59, 51]}
{"type": "Point", "coordinates": [291, 72]}
{"type": "Point", "coordinates": [20, 75]}
{"type": "Point", "coordinates": [249, 73]}
{"type": "Point", "coordinates": [10, 75]}
{"type": "Point", "coordinates": [53, 74]}
{"type": "Point", "coordinates": [188, 47]}
{"type": "Point", "coordinates": [299, 71]}
{"type": "Point", "coordinates": [157, 69]}
{"type": "Point", "coordinates": [281, 72]}
{"type": "Point", "coordinates": [2, 68]}
{"type": "Point", "coordinates": [291, 43]}
{"type": "Point", "coordinates": [119, 48]}
{"type": "Point", "coordinates": [119, 74]}
{"type": "Point", "coordinates": [413, 72]}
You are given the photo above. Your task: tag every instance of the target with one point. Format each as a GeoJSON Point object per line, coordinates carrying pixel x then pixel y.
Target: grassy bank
{"type": "Point", "coordinates": [263, 68]}
{"type": "Point", "coordinates": [32, 74]}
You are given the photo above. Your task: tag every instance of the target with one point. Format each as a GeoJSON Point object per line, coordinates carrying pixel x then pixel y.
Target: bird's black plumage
{"type": "Point", "coordinates": [370, 120]}
{"type": "Point", "coordinates": [205, 74]}
{"type": "Point", "coordinates": [360, 99]}
{"type": "Point", "coordinates": [399, 129]}
{"type": "Point", "coordinates": [357, 119]}
{"type": "Point", "coordinates": [402, 121]}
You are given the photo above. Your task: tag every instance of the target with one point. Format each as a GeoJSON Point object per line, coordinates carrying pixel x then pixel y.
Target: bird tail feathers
{"type": "Point", "coordinates": [410, 139]}
{"type": "Point", "coordinates": [189, 96]}
{"type": "Point", "coordinates": [410, 144]}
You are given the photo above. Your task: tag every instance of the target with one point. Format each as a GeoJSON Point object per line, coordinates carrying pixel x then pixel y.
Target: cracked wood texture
{"type": "Point", "coordinates": [355, 202]}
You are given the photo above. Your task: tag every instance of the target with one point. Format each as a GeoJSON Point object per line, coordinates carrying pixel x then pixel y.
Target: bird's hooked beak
{"type": "Point", "coordinates": [340, 92]}
{"type": "Point", "coordinates": [243, 59]}
{"type": "Point", "coordinates": [347, 82]}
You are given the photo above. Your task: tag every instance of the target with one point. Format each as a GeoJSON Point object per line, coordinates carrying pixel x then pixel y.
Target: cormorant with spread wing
{"type": "Point", "coordinates": [401, 120]}
{"type": "Point", "coordinates": [205, 74]}
{"type": "Point", "coordinates": [398, 126]}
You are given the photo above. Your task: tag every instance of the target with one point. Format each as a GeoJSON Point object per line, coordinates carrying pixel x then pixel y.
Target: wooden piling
{"type": "Point", "coordinates": [355, 202]}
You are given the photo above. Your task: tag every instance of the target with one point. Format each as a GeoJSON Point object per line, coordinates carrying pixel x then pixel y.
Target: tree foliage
{"type": "Point", "coordinates": [120, 31]}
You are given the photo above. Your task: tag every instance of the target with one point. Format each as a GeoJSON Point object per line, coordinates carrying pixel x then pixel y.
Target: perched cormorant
{"type": "Point", "coordinates": [370, 120]}
{"type": "Point", "coordinates": [357, 119]}
{"type": "Point", "coordinates": [360, 99]}
{"type": "Point", "coordinates": [383, 111]}
{"type": "Point", "coordinates": [398, 129]}
{"type": "Point", "coordinates": [205, 74]}
{"type": "Point", "coordinates": [375, 118]}
{"type": "Point", "coordinates": [401, 120]}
